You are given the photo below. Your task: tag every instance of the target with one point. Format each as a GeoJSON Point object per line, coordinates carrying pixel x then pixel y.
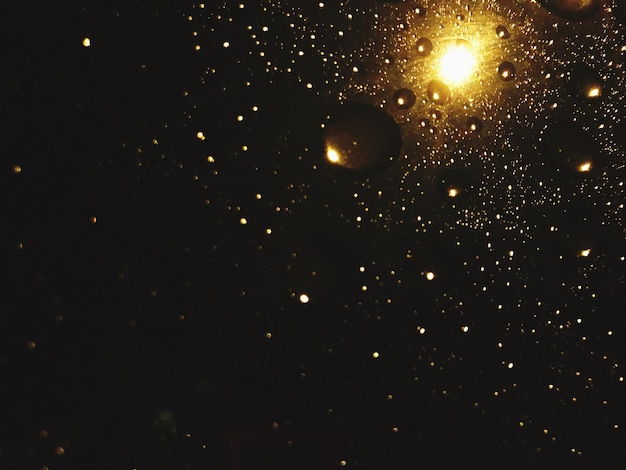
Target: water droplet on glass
{"type": "Point", "coordinates": [435, 114]}
{"type": "Point", "coordinates": [586, 82]}
{"type": "Point", "coordinates": [424, 47]}
{"type": "Point", "coordinates": [502, 32]}
{"type": "Point", "coordinates": [460, 17]}
{"type": "Point", "coordinates": [454, 182]}
{"type": "Point", "coordinates": [569, 147]}
{"type": "Point", "coordinates": [438, 92]}
{"type": "Point", "coordinates": [362, 138]}
{"type": "Point", "coordinates": [404, 98]}
{"type": "Point", "coordinates": [506, 71]}
{"type": "Point", "coordinates": [388, 59]}
{"type": "Point", "coordinates": [474, 125]}
{"type": "Point", "coordinates": [572, 9]}
{"type": "Point", "coordinates": [423, 123]}
{"type": "Point", "coordinates": [420, 10]}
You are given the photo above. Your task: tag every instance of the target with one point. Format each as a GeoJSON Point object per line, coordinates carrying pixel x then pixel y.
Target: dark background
{"type": "Point", "coordinates": [166, 334]}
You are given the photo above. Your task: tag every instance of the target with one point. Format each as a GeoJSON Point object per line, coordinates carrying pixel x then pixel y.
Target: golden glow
{"type": "Point", "coordinates": [584, 167]}
{"type": "Point", "coordinates": [457, 63]}
{"type": "Point", "coordinates": [453, 192]}
{"type": "Point", "coordinates": [304, 299]}
{"type": "Point", "coordinates": [332, 155]}
{"type": "Point", "coordinates": [585, 253]}
{"type": "Point", "coordinates": [594, 92]}
{"type": "Point", "coordinates": [430, 276]}
{"type": "Point", "coordinates": [87, 42]}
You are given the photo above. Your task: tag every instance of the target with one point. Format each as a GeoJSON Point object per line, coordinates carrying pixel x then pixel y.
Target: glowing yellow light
{"type": "Point", "coordinates": [584, 167]}
{"type": "Point", "coordinates": [304, 299]}
{"type": "Point", "coordinates": [453, 192]}
{"type": "Point", "coordinates": [594, 92]}
{"type": "Point", "coordinates": [430, 276]}
{"type": "Point", "coordinates": [585, 252]}
{"type": "Point", "coordinates": [332, 155]}
{"type": "Point", "coordinates": [457, 63]}
{"type": "Point", "coordinates": [86, 42]}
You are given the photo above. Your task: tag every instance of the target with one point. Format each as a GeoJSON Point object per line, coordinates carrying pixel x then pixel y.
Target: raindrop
{"type": "Point", "coordinates": [420, 10]}
{"type": "Point", "coordinates": [474, 125]}
{"type": "Point", "coordinates": [572, 9]}
{"type": "Point", "coordinates": [362, 138]}
{"type": "Point", "coordinates": [423, 123]}
{"type": "Point", "coordinates": [388, 59]}
{"type": "Point", "coordinates": [454, 182]}
{"type": "Point", "coordinates": [424, 47]}
{"type": "Point", "coordinates": [586, 82]}
{"type": "Point", "coordinates": [435, 114]}
{"type": "Point", "coordinates": [506, 71]}
{"type": "Point", "coordinates": [502, 32]}
{"type": "Point", "coordinates": [404, 98]}
{"type": "Point", "coordinates": [438, 92]}
{"type": "Point", "coordinates": [568, 146]}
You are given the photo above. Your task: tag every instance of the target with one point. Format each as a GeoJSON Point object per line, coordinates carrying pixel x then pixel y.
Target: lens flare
{"type": "Point", "coordinates": [457, 63]}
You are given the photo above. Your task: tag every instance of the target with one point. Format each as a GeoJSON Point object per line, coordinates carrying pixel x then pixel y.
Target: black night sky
{"type": "Point", "coordinates": [282, 234]}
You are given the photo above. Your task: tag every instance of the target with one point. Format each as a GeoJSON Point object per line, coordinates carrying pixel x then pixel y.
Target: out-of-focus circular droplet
{"type": "Point", "coordinates": [502, 32]}
{"type": "Point", "coordinates": [438, 92]}
{"type": "Point", "coordinates": [419, 10]}
{"type": "Point", "coordinates": [454, 182]}
{"type": "Point", "coordinates": [404, 98]}
{"type": "Point", "coordinates": [572, 9]}
{"type": "Point", "coordinates": [388, 59]}
{"type": "Point", "coordinates": [361, 138]}
{"type": "Point", "coordinates": [506, 71]}
{"type": "Point", "coordinates": [587, 82]}
{"type": "Point", "coordinates": [474, 125]}
{"type": "Point", "coordinates": [424, 47]}
{"type": "Point", "coordinates": [423, 123]}
{"type": "Point", "coordinates": [569, 147]}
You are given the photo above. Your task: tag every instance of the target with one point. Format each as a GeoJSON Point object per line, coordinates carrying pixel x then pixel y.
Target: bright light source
{"type": "Point", "coordinates": [457, 63]}
{"type": "Point", "coordinates": [331, 155]}
{"type": "Point", "coordinates": [584, 167]}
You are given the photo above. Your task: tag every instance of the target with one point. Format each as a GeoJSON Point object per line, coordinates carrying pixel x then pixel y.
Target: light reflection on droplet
{"type": "Point", "coordinates": [438, 92]}
{"type": "Point", "coordinates": [361, 137]}
{"type": "Point", "coordinates": [502, 32]}
{"type": "Point", "coordinates": [404, 98]}
{"type": "Point", "coordinates": [572, 9]}
{"type": "Point", "coordinates": [475, 124]}
{"type": "Point", "coordinates": [424, 47]}
{"type": "Point", "coordinates": [506, 71]}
